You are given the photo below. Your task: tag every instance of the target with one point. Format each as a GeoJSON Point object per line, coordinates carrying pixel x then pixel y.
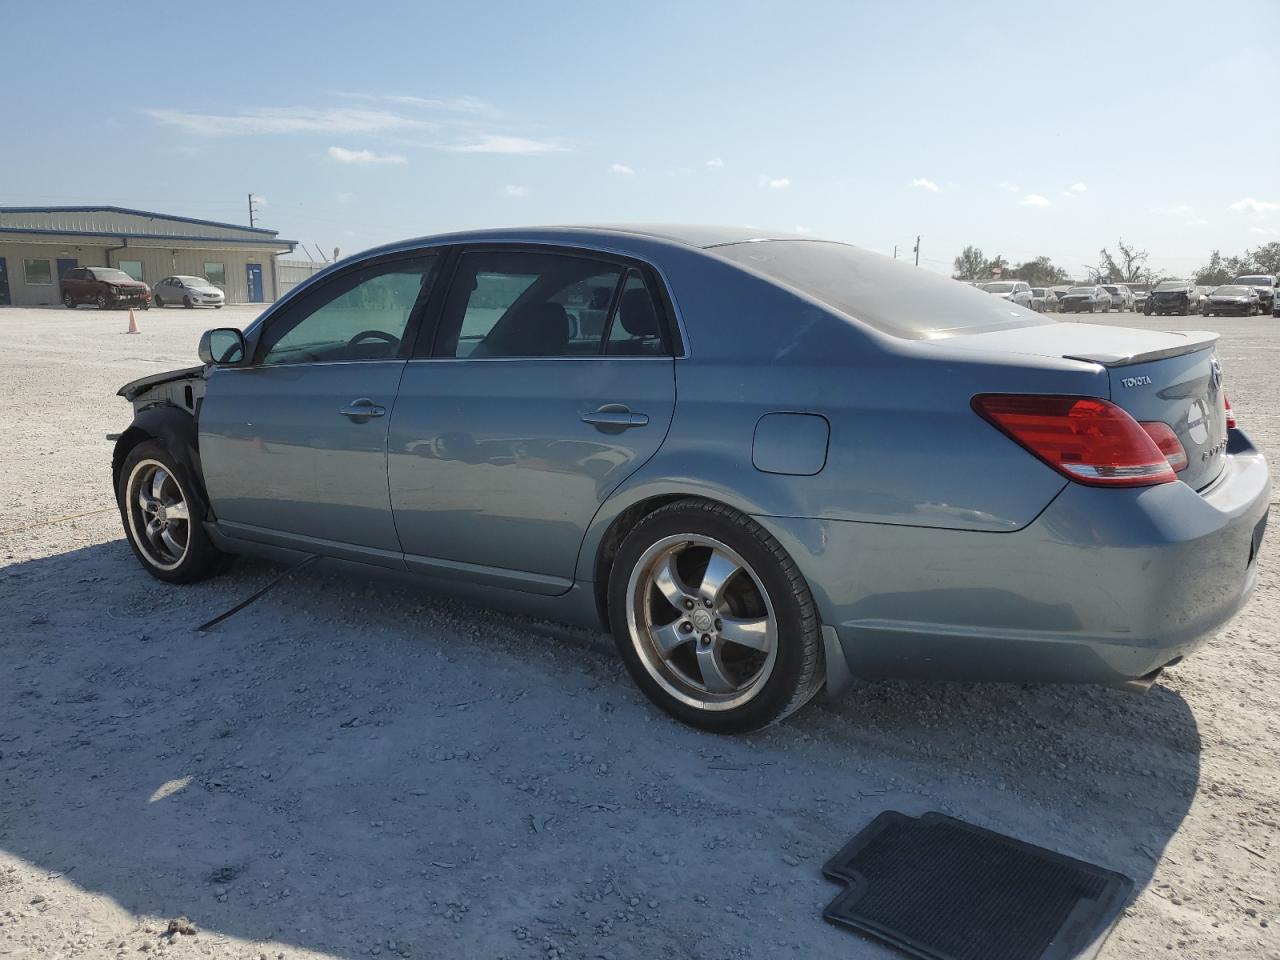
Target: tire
{"type": "Point", "coordinates": [186, 302]}
{"type": "Point", "coordinates": [101, 301]}
{"type": "Point", "coordinates": [180, 550]}
{"type": "Point", "coordinates": [157, 302]}
{"type": "Point", "coordinates": [704, 678]}
{"type": "Point", "coordinates": [68, 300]}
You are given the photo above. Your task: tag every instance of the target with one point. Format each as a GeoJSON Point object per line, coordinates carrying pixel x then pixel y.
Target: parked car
{"type": "Point", "coordinates": [1140, 300]}
{"type": "Point", "coordinates": [1266, 284]}
{"type": "Point", "coordinates": [104, 286]}
{"type": "Point", "coordinates": [1043, 300]}
{"type": "Point", "coordinates": [738, 471]}
{"type": "Point", "coordinates": [188, 291]}
{"type": "Point", "coordinates": [1091, 299]}
{"type": "Point", "coordinates": [1180, 297]}
{"type": "Point", "coordinates": [1232, 299]}
{"type": "Point", "coordinates": [1015, 291]}
{"type": "Point", "coordinates": [1121, 296]}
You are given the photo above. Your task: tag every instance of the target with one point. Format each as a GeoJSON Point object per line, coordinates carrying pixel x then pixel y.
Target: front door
{"type": "Point", "coordinates": [4, 283]}
{"type": "Point", "coordinates": [253, 279]}
{"type": "Point", "coordinates": [294, 446]}
{"type": "Point", "coordinates": [551, 380]}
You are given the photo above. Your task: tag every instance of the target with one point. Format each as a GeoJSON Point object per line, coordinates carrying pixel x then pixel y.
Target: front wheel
{"type": "Point", "coordinates": [713, 619]}
{"type": "Point", "coordinates": [161, 520]}
{"type": "Point", "coordinates": [157, 302]}
{"type": "Point", "coordinates": [101, 301]}
{"type": "Point", "coordinates": [186, 302]}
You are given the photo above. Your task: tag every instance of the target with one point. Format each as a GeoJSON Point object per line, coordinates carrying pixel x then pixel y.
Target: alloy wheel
{"type": "Point", "coordinates": [702, 622]}
{"type": "Point", "coordinates": [159, 518]}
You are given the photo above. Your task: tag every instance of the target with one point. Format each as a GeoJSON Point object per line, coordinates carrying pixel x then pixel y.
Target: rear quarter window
{"type": "Point", "coordinates": [893, 297]}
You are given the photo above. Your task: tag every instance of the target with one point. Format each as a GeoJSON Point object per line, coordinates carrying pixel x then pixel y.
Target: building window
{"type": "Point", "coordinates": [37, 272]}
{"type": "Point", "coordinates": [133, 268]}
{"type": "Point", "coordinates": [216, 273]}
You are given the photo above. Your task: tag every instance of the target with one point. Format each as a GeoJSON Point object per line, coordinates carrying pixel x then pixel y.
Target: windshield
{"type": "Point", "coordinates": [112, 276]}
{"type": "Point", "coordinates": [1111, 289]}
{"type": "Point", "coordinates": [1038, 291]}
{"type": "Point", "coordinates": [1172, 285]}
{"type": "Point", "coordinates": [193, 281]}
{"type": "Point", "coordinates": [998, 287]}
{"type": "Point", "coordinates": [891, 296]}
{"type": "Point", "coordinates": [1236, 291]}
{"type": "Point", "coordinates": [1255, 281]}
{"type": "Point", "coordinates": [1081, 290]}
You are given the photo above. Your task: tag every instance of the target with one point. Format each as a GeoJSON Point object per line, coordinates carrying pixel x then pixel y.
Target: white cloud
{"type": "Point", "coordinates": [364, 158]}
{"type": "Point", "coordinates": [621, 168]}
{"type": "Point", "coordinates": [799, 229]}
{"type": "Point", "coordinates": [515, 190]}
{"type": "Point", "coordinates": [1079, 188]}
{"type": "Point", "coordinates": [1265, 231]}
{"type": "Point", "coordinates": [1011, 187]}
{"type": "Point", "coordinates": [472, 105]}
{"type": "Point", "coordinates": [715, 162]}
{"type": "Point", "coordinates": [925, 184]}
{"type": "Point", "coordinates": [1178, 210]}
{"type": "Point", "coordinates": [1250, 205]}
{"type": "Point", "coordinates": [775, 183]}
{"type": "Point", "coordinates": [1034, 200]}
{"type": "Point", "coordinates": [265, 120]}
{"type": "Point", "coordinates": [497, 143]}
{"type": "Point", "coordinates": [342, 197]}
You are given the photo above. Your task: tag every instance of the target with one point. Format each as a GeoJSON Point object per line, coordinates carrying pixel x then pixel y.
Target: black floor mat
{"type": "Point", "coordinates": [945, 890]}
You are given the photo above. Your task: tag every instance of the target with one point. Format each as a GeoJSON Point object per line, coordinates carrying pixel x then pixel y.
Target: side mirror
{"type": "Point", "coordinates": [224, 346]}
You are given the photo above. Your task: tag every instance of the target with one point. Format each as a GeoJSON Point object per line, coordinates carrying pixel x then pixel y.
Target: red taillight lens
{"type": "Point", "coordinates": [1084, 438]}
{"type": "Point", "coordinates": [1167, 442]}
{"type": "Point", "coordinates": [1231, 417]}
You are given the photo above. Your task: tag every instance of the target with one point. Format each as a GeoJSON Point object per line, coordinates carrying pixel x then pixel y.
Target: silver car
{"type": "Point", "coordinates": [188, 291]}
{"type": "Point", "coordinates": [767, 464]}
{"type": "Point", "coordinates": [1015, 291]}
{"type": "Point", "coordinates": [1121, 296]}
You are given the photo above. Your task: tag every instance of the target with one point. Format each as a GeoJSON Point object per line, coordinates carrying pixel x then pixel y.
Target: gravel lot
{"type": "Point", "coordinates": [349, 769]}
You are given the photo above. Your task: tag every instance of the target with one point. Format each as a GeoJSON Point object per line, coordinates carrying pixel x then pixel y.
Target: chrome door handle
{"type": "Point", "coordinates": [613, 417]}
{"type": "Point", "coordinates": [363, 409]}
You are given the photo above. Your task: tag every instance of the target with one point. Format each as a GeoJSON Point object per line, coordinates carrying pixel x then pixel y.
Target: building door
{"type": "Point", "coordinates": [4, 283]}
{"type": "Point", "coordinates": [65, 264]}
{"type": "Point", "coordinates": [253, 278]}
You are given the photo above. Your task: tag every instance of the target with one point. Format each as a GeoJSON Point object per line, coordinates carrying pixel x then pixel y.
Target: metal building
{"type": "Point", "coordinates": [39, 244]}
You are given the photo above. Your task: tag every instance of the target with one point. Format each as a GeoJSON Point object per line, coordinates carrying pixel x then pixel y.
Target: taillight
{"type": "Point", "coordinates": [1167, 442]}
{"type": "Point", "coordinates": [1084, 438]}
{"type": "Point", "coordinates": [1231, 417]}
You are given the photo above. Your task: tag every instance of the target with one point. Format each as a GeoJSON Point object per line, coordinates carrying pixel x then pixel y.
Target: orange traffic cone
{"type": "Point", "coordinates": [133, 323]}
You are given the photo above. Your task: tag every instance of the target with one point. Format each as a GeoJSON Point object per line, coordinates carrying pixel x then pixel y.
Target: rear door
{"type": "Point", "coordinates": [550, 380]}
{"type": "Point", "coordinates": [294, 447]}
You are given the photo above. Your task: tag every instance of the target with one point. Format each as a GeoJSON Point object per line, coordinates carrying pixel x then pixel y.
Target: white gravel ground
{"type": "Point", "coordinates": [350, 769]}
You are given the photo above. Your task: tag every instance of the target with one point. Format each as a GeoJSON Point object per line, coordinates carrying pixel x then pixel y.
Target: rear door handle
{"type": "Point", "coordinates": [362, 409]}
{"type": "Point", "coordinates": [615, 417]}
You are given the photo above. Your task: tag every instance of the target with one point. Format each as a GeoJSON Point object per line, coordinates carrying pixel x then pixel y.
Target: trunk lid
{"type": "Point", "coordinates": [1155, 375]}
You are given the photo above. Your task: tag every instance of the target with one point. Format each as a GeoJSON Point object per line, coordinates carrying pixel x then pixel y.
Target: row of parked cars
{"type": "Point", "coordinates": [1246, 296]}
{"type": "Point", "coordinates": [106, 287]}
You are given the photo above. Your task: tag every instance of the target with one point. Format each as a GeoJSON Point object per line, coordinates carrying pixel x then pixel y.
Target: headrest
{"type": "Point", "coordinates": [637, 314]}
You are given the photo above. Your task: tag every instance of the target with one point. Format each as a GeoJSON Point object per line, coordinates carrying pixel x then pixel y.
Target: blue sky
{"type": "Point", "coordinates": [1025, 128]}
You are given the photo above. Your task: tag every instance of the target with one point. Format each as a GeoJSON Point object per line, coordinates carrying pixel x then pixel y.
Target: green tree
{"type": "Point", "coordinates": [1040, 272]}
{"type": "Point", "coordinates": [971, 265]}
{"type": "Point", "coordinates": [1266, 259]}
{"type": "Point", "coordinates": [1130, 266]}
{"type": "Point", "coordinates": [1217, 271]}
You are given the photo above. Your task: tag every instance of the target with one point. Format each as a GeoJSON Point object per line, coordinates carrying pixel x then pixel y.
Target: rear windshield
{"type": "Point", "coordinates": [1081, 290]}
{"type": "Point", "coordinates": [998, 287]}
{"type": "Point", "coordinates": [890, 295]}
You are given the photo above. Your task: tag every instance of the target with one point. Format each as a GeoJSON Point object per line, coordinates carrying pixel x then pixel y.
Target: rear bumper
{"type": "Point", "coordinates": [1104, 586]}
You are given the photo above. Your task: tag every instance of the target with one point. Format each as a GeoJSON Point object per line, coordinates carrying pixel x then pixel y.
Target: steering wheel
{"type": "Point", "coordinates": [382, 335]}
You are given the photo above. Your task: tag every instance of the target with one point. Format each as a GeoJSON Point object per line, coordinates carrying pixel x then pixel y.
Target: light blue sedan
{"type": "Point", "coordinates": [766, 463]}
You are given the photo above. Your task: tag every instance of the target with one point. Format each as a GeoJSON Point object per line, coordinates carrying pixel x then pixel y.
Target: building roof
{"type": "Point", "coordinates": [111, 221]}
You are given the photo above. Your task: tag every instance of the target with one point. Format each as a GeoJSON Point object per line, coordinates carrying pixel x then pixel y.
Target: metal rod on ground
{"type": "Point", "coordinates": [244, 603]}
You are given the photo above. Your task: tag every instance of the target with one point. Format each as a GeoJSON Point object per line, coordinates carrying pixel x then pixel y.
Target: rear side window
{"type": "Point", "coordinates": [891, 296]}
{"type": "Point", "coordinates": [504, 304]}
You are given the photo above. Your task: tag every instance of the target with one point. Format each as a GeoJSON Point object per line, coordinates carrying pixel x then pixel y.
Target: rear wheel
{"type": "Point", "coordinates": [161, 520]}
{"type": "Point", "coordinates": [68, 300]}
{"type": "Point", "coordinates": [713, 619]}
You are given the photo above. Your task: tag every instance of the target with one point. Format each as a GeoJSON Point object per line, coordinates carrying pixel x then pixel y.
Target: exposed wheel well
{"type": "Point", "coordinates": [127, 441]}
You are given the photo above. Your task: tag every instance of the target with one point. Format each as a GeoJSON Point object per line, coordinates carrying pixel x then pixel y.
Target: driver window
{"type": "Point", "coordinates": [361, 315]}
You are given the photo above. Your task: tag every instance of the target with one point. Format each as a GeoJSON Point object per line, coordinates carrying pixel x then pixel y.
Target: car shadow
{"type": "Point", "coordinates": [351, 765]}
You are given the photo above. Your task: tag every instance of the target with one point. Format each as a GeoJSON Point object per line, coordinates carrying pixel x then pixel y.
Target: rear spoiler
{"type": "Point", "coordinates": [1196, 340]}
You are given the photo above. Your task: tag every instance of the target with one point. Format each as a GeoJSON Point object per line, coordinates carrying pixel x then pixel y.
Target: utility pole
{"type": "Point", "coordinates": [895, 251]}
{"type": "Point", "coordinates": [917, 250]}
{"type": "Point", "coordinates": [253, 210]}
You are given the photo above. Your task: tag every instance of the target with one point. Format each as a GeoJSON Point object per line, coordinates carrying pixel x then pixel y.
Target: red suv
{"type": "Point", "coordinates": [105, 286]}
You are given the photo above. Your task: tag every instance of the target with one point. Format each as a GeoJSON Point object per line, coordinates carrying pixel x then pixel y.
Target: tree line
{"type": "Point", "coordinates": [1127, 265]}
